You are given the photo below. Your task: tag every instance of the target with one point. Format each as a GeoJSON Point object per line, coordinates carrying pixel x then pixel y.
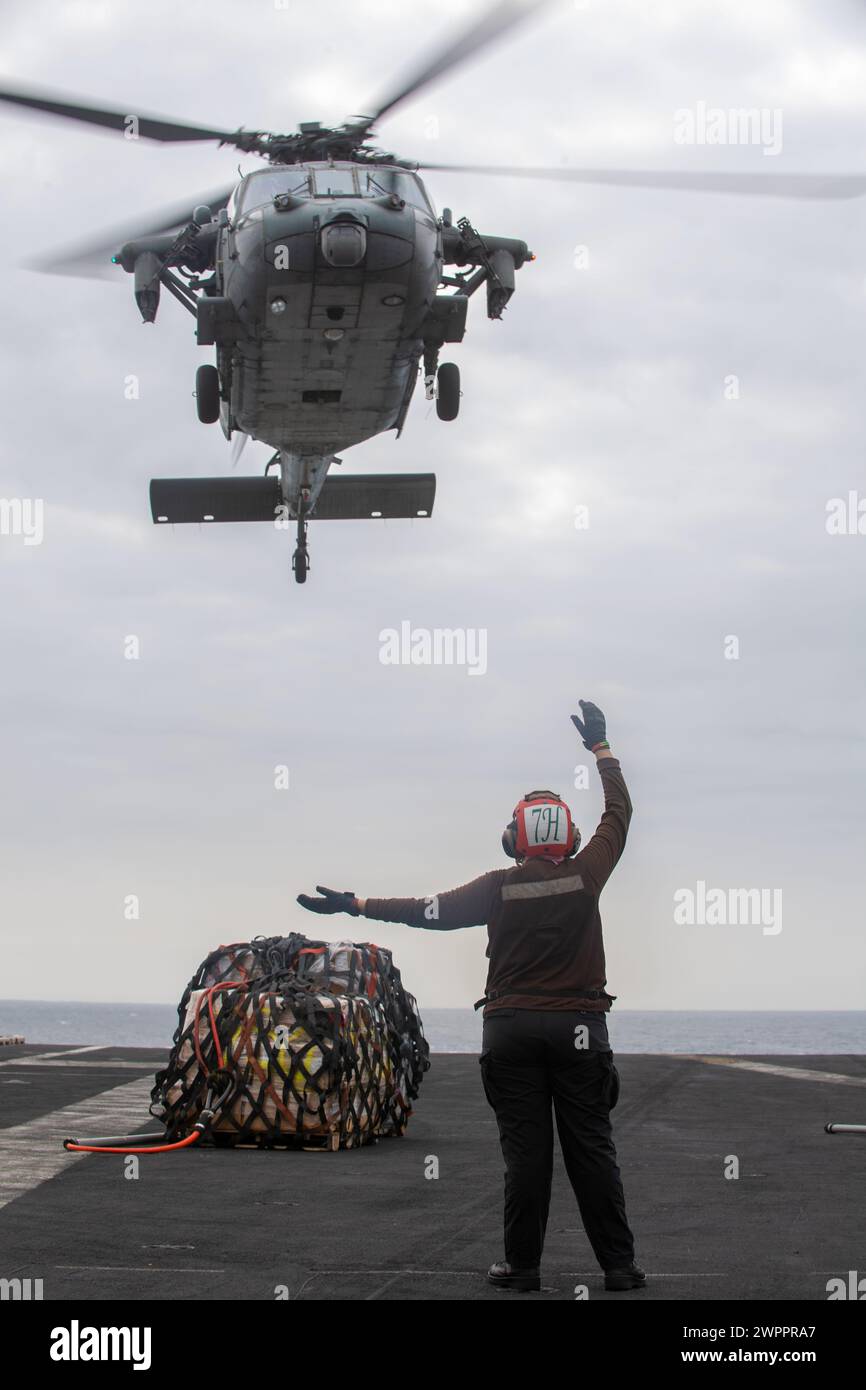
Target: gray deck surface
{"type": "Point", "coordinates": [367, 1224]}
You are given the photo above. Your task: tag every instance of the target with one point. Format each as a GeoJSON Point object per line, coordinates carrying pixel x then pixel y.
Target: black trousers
{"type": "Point", "coordinates": [534, 1061]}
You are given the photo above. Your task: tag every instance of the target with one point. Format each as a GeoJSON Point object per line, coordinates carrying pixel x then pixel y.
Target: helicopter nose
{"type": "Point", "coordinates": [344, 244]}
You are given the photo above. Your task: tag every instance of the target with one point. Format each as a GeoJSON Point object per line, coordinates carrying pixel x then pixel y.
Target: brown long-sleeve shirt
{"type": "Point", "coordinates": [545, 941]}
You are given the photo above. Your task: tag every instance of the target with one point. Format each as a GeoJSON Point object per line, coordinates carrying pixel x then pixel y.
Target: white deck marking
{"type": "Point", "coordinates": [85, 1065]}
{"type": "Point", "coordinates": [74, 1051]}
{"type": "Point", "coordinates": [49, 1056]}
{"type": "Point", "coordinates": [473, 1273]}
{"type": "Point", "coordinates": [33, 1153]}
{"type": "Point", "coordinates": [771, 1069]}
{"type": "Point", "coordinates": [145, 1269]}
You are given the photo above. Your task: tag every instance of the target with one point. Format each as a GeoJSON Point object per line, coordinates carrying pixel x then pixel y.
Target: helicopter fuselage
{"type": "Point", "coordinates": [327, 296]}
{"type": "Point", "coordinates": [320, 287]}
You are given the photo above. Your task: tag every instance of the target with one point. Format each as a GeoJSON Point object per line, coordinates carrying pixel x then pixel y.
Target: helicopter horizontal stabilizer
{"type": "Point", "coordinates": [364, 496]}
{"type": "Point", "coordinates": [214, 499]}
{"type": "Point", "coordinates": [375, 495]}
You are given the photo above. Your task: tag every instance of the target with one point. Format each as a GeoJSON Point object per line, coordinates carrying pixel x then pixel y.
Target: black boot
{"type": "Point", "coordinates": [618, 1280]}
{"type": "Point", "coordinates": [503, 1276]}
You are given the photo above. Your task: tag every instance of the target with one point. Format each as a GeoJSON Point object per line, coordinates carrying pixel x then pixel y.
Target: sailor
{"type": "Point", "coordinates": [545, 1052]}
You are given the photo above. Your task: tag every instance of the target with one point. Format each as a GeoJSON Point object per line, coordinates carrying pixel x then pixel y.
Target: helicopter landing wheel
{"type": "Point", "coordinates": [207, 394]}
{"type": "Point", "coordinates": [301, 564]}
{"type": "Point", "coordinates": [448, 394]}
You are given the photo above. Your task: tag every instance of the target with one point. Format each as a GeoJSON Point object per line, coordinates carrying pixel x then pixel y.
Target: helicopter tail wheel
{"type": "Point", "coordinates": [448, 394]}
{"type": "Point", "coordinates": [207, 394]}
{"type": "Point", "coordinates": [301, 564]}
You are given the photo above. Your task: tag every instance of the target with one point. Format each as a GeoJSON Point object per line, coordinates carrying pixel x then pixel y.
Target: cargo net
{"type": "Point", "coordinates": [308, 1043]}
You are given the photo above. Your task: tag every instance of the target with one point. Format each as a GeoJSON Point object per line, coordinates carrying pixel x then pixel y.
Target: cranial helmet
{"type": "Point", "coordinates": [541, 826]}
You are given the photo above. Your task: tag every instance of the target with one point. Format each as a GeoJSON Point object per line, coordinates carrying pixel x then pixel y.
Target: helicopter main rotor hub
{"type": "Point", "coordinates": [316, 142]}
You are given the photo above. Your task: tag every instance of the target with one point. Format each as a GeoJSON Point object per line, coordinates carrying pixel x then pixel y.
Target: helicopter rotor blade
{"type": "Point", "coordinates": [491, 25]}
{"type": "Point", "coordinates": [92, 259]}
{"type": "Point", "coordinates": [766, 185]}
{"type": "Point", "coordinates": [148, 127]}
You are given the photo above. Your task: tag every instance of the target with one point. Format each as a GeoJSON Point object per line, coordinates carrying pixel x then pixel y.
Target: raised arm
{"type": "Point", "coordinates": [600, 856]}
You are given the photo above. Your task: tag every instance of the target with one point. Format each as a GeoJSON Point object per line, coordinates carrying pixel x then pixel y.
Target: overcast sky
{"type": "Point", "coordinates": [607, 385]}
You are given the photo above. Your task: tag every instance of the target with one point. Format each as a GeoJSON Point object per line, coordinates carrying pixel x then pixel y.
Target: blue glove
{"type": "Point", "coordinates": [592, 727]}
{"type": "Point", "coordinates": [331, 901]}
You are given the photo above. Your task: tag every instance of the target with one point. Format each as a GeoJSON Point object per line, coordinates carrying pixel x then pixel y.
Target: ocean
{"type": "Point", "coordinates": [459, 1030]}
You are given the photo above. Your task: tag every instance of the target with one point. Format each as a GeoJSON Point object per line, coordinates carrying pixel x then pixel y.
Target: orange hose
{"type": "Point", "coordinates": [196, 1134]}
{"type": "Point", "coordinates": [227, 984]}
{"type": "Point", "coordinates": [148, 1149]}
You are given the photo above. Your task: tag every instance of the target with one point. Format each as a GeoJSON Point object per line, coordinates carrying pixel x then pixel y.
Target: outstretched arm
{"type": "Point", "coordinates": [468, 906]}
{"type": "Point", "coordinates": [600, 856]}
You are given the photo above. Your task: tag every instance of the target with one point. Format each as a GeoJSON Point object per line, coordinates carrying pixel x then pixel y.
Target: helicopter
{"type": "Point", "coordinates": [326, 283]}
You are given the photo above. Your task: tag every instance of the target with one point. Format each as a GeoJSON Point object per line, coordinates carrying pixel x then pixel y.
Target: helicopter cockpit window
{"type": "Point", "coordinates": [262, 188]}
{"type": "Point", "coordinates": [405, 185]}
{"type": "Point", "coordinates": [335, 183]}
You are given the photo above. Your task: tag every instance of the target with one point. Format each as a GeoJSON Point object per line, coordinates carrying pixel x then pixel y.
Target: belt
{"type": "Point", "coordinates": [546, 993]}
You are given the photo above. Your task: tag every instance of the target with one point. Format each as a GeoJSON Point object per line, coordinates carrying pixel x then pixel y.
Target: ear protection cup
{"type": "Point", "coordinates": [514, 836]}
